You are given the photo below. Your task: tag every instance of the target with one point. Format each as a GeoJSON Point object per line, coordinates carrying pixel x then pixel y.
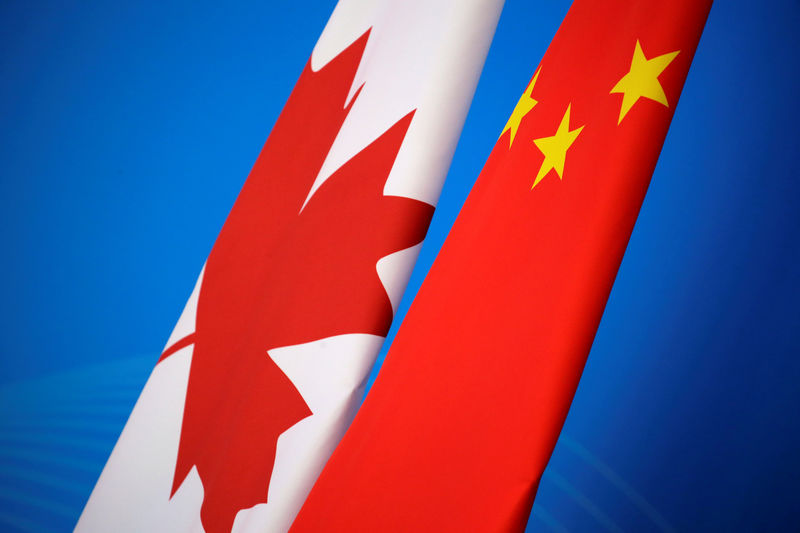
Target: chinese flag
{"type": "Point", "coordinates": [464, 414]}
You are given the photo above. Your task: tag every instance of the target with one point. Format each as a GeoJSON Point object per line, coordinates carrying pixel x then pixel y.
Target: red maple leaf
{"type": "Point", "coordinates": [280, 276]}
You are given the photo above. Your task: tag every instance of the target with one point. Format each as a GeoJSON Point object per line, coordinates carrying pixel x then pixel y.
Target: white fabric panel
{"type": "Point", "coordinates": [329, 373]}
{"type": "Point", "coordinates": [132, 494]}
{"type": "Point", "coordinates": [423, 55]}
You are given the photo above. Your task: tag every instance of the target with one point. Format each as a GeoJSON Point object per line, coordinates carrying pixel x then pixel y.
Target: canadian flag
{"type": "Point", "coordinates": [266, 366]}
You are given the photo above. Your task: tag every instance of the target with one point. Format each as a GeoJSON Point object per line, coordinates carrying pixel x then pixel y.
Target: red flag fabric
{"type": "Point", "coordinates": [465, 412]}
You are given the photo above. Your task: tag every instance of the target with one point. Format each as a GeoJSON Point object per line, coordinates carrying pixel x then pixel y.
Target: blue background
{"type": "Point", "coordinates": [128, 129]}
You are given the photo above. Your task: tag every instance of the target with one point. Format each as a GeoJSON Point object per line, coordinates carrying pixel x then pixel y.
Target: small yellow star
{"type": "Point", "coordinates": [642, 80]}
{"type": "Point", "coordinates": [524, 105]}
{"type": "Point", "coordinates": [555, 148]}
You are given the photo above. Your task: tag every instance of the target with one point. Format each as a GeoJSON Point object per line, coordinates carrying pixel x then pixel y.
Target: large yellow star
{"type": "Point", "coordinates": [555, 148]}
{"type": "Point", "coordinates": [642, 80]}
{"type": "Point", "coordinates": [524, 105]}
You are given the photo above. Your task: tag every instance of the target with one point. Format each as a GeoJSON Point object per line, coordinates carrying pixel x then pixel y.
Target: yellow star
{"type": "Point", "coordinates": [524, 105]}
{"type": "Point", "coordinates": [642, 80]}
{"type": "Point", "coordinates": [555, 149]}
